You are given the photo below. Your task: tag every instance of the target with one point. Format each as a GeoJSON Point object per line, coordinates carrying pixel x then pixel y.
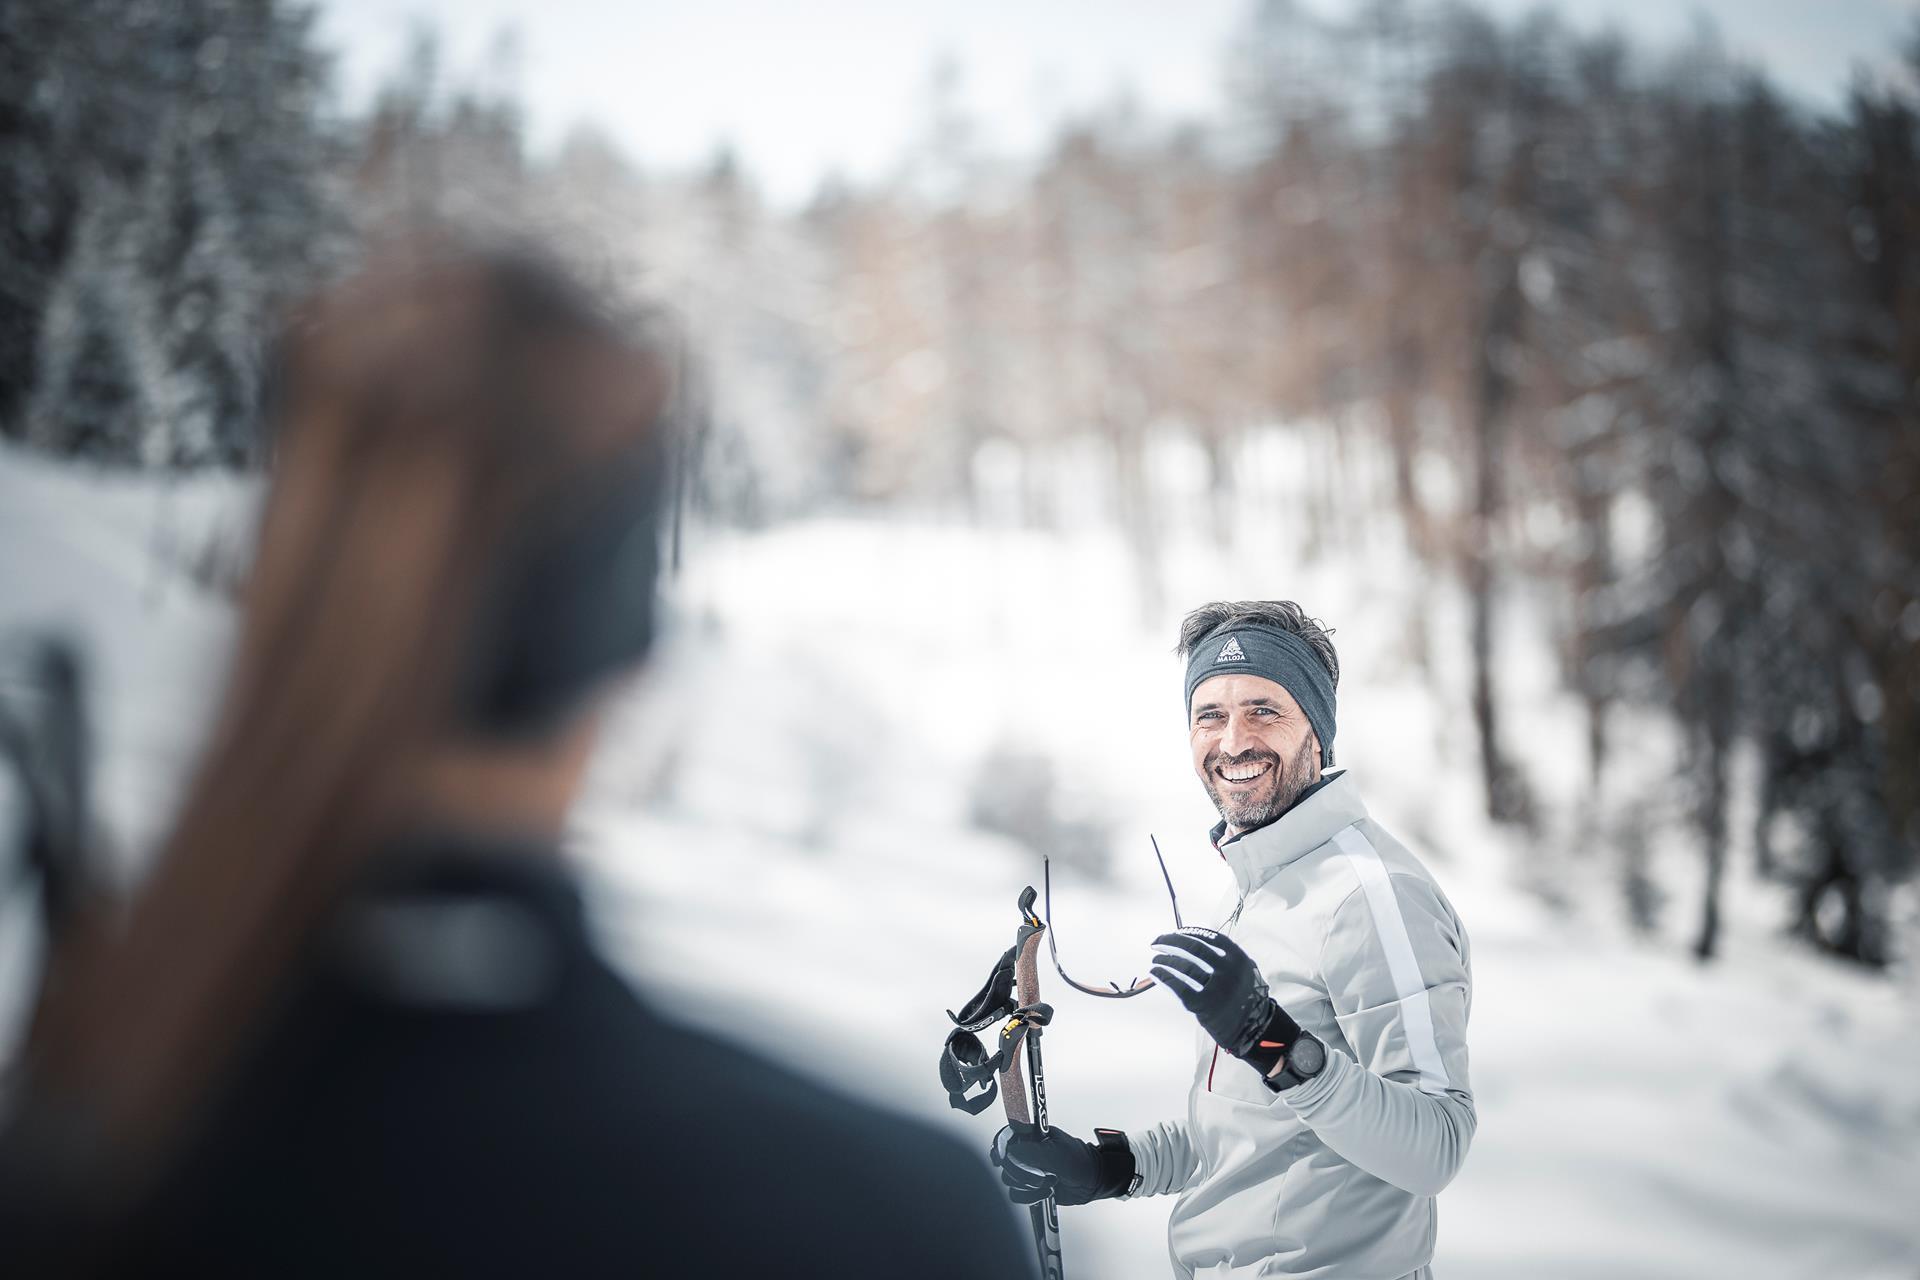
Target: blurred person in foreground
{"type": "Point", "coordinates": [352, 1024]}
{"type": "Point", "coordinates": [1330, 1104]}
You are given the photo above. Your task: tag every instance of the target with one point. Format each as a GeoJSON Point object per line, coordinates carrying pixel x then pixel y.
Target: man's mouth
{"type": "Point", "coordinates": [1240, 774]}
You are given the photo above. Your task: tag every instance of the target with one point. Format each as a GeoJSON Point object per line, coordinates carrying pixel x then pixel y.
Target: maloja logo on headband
{"type": "Point", "coordinates": [1231, 651]}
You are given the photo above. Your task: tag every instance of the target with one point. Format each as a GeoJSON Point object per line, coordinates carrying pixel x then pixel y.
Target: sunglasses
{"type": "Point", "coordinates": [1113, 990]}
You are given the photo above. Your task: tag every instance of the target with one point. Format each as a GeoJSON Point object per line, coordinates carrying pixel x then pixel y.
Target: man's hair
{"type": "Point", "coordinates": [1282, 615]}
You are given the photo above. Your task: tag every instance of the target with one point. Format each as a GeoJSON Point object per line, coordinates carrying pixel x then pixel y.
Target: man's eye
{"type": "Point", "coordinates": [1265, 711]}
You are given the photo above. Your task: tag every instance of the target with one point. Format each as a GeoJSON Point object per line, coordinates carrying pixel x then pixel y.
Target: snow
{"type": "Point", "coordinates": [778, 839]}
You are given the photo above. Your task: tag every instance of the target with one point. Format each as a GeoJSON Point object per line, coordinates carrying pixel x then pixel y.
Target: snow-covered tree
{"type": "Point", "coordinates": [189, 136]}
{"type": "Point", "coordinates": [86, 398]}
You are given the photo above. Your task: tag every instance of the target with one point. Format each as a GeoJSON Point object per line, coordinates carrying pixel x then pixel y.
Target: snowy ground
{"type": "Point", "coordinates": [779, 835]}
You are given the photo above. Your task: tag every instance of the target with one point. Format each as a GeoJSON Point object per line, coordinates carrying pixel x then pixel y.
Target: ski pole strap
{"type": "Point", "coordinates": [995, 999]}
{"type": "Point", "coordinates": [965, 1064]}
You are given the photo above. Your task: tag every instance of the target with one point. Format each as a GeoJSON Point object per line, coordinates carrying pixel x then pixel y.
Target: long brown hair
{"type": "Point", "coordinates": [436, 407]}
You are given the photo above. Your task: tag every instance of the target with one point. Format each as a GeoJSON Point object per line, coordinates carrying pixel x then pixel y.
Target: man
{"type": "Point", "coordinates": [1330, 1104]}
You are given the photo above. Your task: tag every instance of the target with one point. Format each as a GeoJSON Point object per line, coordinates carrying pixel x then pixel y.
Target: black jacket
{"type": "Point", "coordinates": [461, 1087]}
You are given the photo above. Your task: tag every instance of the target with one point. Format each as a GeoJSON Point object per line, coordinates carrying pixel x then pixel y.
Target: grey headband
{"type": "Point", "coordinates": [1279, 656]}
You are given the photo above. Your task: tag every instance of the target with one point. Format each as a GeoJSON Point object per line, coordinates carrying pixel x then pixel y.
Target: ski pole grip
{"type": "Point", "coordinates": [1026, 984]}
{"type": "Point", "coordinates": [1026, 970]}
{"type": "Point", "coordinates": [1013, 1093]}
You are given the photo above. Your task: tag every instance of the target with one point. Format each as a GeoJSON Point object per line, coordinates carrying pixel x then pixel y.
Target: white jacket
{"type": "Point", "coordinates": [1336, 1177]}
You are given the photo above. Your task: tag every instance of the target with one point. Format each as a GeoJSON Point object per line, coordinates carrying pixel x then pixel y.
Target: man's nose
{"type": "Point", "coordinates": [1235, 738]}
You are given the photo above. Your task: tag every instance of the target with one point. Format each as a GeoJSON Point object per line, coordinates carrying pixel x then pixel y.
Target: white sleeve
{"type": "Point", "coordinates": [1395, 963]}
{"type": "Point", "coordinates": [1164, 1157]}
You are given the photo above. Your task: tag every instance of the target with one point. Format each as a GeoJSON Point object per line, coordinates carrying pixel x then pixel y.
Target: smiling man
{"type": "Point", "coordinates": [1330, 1102]}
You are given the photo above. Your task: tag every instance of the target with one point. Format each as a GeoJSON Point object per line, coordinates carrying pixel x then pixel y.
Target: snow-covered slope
{"type": "Point", "coordinates": [780, 840]}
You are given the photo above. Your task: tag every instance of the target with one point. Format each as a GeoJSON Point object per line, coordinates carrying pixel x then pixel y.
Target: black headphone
{"type": "Point", "coordinates": [573, 603]}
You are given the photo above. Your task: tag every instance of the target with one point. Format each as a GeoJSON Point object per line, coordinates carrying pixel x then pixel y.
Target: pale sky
{"type": "Point", "coordinates": [804, 87]}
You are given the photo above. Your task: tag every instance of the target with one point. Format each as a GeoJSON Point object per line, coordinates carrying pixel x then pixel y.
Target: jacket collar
{"type": "Point", "coordinates": [1309, 824]}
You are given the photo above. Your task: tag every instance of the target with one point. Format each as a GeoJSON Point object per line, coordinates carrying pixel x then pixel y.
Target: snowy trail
{"type": "Point", "coordinates": [778, 837]}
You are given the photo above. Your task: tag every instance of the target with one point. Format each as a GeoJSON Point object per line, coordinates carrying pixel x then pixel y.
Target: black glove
{"type": "Point", "coordinates": [1058, 1164]}
{"type": "Point", "coordinates": [1221, 985]}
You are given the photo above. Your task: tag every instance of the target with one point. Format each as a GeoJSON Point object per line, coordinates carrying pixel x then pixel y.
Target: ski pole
{"type": "Point", "coordinates": [1026, 974]}
{"type": "Point", "coordinates": [973, 1077]}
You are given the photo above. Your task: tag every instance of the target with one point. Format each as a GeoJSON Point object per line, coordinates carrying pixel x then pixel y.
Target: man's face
{"type": "Point", "coordinates": [1252, 747]}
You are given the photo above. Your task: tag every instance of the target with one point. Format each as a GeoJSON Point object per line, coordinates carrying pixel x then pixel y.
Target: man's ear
{"type": "Point", "coordinates": [1313, 741]}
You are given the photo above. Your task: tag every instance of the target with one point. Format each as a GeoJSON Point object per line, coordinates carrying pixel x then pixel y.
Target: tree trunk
{"type": "Point", "coordinates": [1593, 576]}
{"type": "Point", "coordinates": [1713, 832]}
{"type": "Point", "coordinates": [1486, 719]}
{"type": "Point", "coordinates": [1219, 451]}
{"type": "Point", "coordinates": [1135, 501]}
{"type": "Point", "coordinates": [1857, 935]}
{"type": "Point", "coordinates": [1506, 801]}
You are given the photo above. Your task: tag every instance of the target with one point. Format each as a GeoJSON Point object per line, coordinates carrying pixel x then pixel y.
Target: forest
{"type": "Point", "coordinates": [1635, 333]}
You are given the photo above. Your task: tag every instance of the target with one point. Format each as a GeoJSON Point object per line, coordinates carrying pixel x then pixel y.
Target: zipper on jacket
{"type": "Point", "coordinates": [1225, 928]}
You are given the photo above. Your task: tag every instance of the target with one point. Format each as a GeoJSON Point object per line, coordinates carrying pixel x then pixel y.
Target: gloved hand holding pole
{"type": "Point", "coordinates": [972, 1075]}
{"type": "Point", "coordinates": [1035, 1166]}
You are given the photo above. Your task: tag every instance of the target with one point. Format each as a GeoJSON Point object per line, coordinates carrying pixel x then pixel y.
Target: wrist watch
{"type": "Point", "coordinates": [1306, 1058]}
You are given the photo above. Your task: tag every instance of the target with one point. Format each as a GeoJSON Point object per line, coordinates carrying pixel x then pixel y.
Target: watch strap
{"type": "Point", "coordinates": [1119, 1177]}
{"type": "Point", "coordinates": [1286, 1078]}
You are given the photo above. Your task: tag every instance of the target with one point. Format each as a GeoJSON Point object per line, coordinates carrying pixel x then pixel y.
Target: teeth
{"type": "Point", "coordinates": [1243, 772]}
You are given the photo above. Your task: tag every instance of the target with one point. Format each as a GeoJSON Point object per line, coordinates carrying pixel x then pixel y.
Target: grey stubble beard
{"type": "Point", "coordinates": [1294, 776]}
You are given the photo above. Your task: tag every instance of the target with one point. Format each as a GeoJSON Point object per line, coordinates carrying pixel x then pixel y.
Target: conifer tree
{"type": "Point", "coordinates": [86, 398]}
{"type": "Point", "coordinates": [188, 135]}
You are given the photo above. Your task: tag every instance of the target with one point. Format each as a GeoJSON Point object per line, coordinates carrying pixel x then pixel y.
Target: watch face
{"type": "Point", "coordinates": [1308, 1057]}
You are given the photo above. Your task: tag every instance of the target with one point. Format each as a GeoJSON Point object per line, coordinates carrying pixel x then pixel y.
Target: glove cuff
{"type": "Point", "coordinates": [1114, 1171]}
{"type": "Point", "coordinates": [1265, 1039]}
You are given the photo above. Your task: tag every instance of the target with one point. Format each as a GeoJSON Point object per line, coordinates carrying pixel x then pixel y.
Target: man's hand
{"type": "Point", "coordinates": [1222, 987]}
{"type": "Point", "coordinates": [1058, 1164]}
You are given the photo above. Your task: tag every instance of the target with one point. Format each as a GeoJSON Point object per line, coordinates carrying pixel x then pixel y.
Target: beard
{"type": "Point", "coordinates": [1256, 806]}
